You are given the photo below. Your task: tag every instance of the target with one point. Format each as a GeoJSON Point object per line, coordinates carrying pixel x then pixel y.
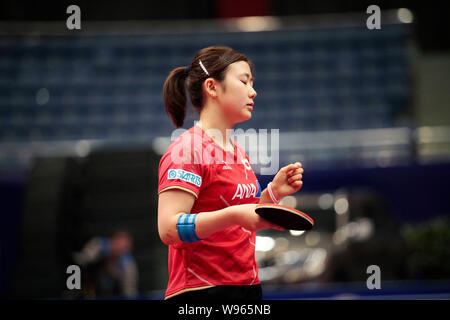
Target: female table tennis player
{"type": "Point", "coordinates": [207, 189]}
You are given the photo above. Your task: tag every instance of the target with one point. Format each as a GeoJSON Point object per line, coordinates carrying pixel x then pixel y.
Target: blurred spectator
{"type": "Point", "coordinates": [109, 268]}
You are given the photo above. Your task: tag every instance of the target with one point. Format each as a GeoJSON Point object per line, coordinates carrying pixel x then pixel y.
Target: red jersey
{"type": "Point", "coordinates": [218, 179]}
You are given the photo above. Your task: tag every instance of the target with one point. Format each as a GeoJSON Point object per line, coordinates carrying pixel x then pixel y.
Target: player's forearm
{"type": "Point", "coordinates": [206, 224]}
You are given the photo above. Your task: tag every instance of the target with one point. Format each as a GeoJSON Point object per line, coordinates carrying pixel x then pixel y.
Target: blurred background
{"type": "Point", "coordinates": [83, 126]}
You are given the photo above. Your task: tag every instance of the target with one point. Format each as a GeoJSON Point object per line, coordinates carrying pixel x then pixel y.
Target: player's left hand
{"type": "Point", "coordinates": [288, 180]}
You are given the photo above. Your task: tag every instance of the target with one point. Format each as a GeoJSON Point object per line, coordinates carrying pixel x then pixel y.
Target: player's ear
{"type": "Point", "coordinates": [210, 86]}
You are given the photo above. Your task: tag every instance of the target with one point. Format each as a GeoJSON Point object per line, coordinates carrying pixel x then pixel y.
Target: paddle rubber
{"type": "Point", "coordinates": [286, 217]}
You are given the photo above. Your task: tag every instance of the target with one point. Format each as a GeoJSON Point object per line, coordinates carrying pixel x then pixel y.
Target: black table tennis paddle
{"type": "Point", "coordinates": [286, 217]}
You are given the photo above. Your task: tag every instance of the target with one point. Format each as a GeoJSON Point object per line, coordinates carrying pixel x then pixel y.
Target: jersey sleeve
{"type": "Point", "coordinates": [180, 168]}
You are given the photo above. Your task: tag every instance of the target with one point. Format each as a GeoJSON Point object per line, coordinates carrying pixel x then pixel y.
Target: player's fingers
{"type": "Point", "coordinates": [265, 224]}
{"type": "Point", "coordinates": [289, 168]}
{"type": "Point", "coordinates": [296, 184]}
{"type": "Point", "coordinates": [293, 167]}
{"type": "Point", "coordinates": [276, 227]}
{"type": "Point", "coordinates": [297, 177]}
{"type": "Point", "coordinates": [297, 171]}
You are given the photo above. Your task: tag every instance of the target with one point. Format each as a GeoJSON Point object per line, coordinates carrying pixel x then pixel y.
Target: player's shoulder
{"type": "Point", "coordinates": [189, 142]}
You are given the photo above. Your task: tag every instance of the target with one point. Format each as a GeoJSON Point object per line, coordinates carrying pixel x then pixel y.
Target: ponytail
{"type": "Point", "coordinates": [174, 93]}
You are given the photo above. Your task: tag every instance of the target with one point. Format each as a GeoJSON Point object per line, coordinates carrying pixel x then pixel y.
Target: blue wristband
{"type": "Point", "coordinates": [186, 228]}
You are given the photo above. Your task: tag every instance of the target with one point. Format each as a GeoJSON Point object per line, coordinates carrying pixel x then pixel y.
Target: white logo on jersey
{"type": "Point", "coordinates": [247, 164]}
{"type": "Point", "coordinates": [185, 175]}
{"type": "Point", "coordinates": [226, 166]}
{"type": "Point", "coordinates": [245, 190]}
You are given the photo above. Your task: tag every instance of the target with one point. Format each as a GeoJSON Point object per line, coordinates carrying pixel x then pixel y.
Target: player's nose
{"type": "Point", "coordinates": [252, 93]}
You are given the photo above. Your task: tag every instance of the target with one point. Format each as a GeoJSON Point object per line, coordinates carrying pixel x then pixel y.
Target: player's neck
{"type": "Point", "coordinates": [211, 120]}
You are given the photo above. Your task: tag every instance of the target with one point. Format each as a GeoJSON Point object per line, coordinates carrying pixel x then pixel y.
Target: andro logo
{"type": "Point", "coordinates": [185, 176]}
{"type": "Point", "coordinates": [245, 191]}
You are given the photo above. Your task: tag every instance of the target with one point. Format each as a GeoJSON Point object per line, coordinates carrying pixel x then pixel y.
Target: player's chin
{"type": "Point", "coordinates": [247, 114]}
{"type": "Point", "coordinates": [244, 116]}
